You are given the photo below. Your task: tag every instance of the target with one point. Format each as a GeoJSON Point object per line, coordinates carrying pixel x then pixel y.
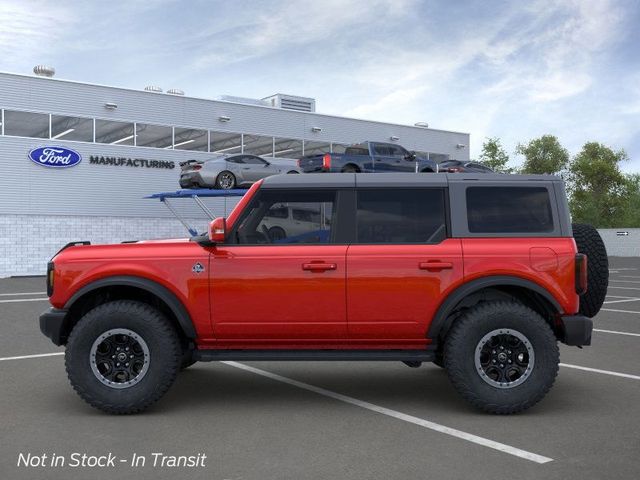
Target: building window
{"type": "Point", "coordinates": [157, 136]}
{"type": "Point", "coordinates": [401, 216]}
{"type": "Point", "coordinates": [316, 148]}
{"type": "Point", "coordinates": [71, 128]}
{"type": "Point", "coordinates": [225, 143]}
{"type": "Point", "coordinates": [26, 124]}
{"type": "Point", "coordinates": [190, 139]}
{"type": "Point", "coordinates": [287, 148]}
{"type": "Point", "coordinates": [258, 145]}
{"type": "Point", "coordinates": [115, 133]}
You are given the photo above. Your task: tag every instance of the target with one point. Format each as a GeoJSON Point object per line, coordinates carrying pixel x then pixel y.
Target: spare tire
{"type": "Point", "coordinates": [590, 243]}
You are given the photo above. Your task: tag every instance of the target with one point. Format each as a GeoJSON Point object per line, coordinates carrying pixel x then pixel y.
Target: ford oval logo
{"type": "Point", "coordinates": [56, 157]}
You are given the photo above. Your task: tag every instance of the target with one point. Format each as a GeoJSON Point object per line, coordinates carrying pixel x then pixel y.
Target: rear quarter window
{"type": "Point", "coordinates": [509, 210]}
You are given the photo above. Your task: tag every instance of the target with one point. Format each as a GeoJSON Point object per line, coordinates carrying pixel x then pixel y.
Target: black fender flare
{"type": "Point", "coordinates": [441, 321]}
{"type": "Point", "coordinates": [154, 288]}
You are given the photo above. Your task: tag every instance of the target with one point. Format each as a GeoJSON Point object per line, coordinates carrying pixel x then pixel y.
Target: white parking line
{"type": "Point", "coordinates": [628, 276]}
{"type": "Point", "coordinates": [485, 442]}
{"type": "Point", "coordinates": [23, 293]}
{"type": "Point", "coordinates": [17, 300]}
{"type": "Point", "coordinates": [624, 300]}
{"type": "Point", "coordinates": [615, 269]}
{"type": "Point", "coordinates": [618, 311]}
{"type": "Point", "coordinates": [606, 372]}
{"type": "Point", "coordinates": [625, 281]}
{"type": "Point", "coordinates": [39, 355]}
{"type": "Point", "coordinates": [616, 332]}
{"type": "Point", "coordinates": [623, 288]}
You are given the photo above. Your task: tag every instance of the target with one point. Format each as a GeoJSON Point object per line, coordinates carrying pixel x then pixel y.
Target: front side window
{"type": "Point", "coordinates": [401, 216]}
{"type": "Point", "coordinates": [268, 220]}
{"type": "Point", "coordinates": [509, 210]}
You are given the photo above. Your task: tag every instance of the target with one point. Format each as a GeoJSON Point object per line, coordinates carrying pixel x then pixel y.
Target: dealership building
{"type": "Point", "coordinates": [128, 144]}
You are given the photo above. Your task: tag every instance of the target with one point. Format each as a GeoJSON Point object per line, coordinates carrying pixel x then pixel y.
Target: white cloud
{"type": "Point", "coordinates": [30, 29]}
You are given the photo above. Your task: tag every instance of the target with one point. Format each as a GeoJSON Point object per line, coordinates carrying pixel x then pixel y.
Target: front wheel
{"type": "Point", "coordinates": [502, 357]}
{"type": "Point", "coordinates": [123, 356]}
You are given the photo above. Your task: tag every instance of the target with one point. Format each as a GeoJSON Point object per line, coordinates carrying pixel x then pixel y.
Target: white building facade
{"type": "Point", "coordinates": [129, 144]}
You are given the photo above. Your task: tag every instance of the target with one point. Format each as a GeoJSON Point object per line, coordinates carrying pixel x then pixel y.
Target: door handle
{"type": "Point", "coordinates": [319, 267]}
{"type": "Point", "coordinates": [435, 266]}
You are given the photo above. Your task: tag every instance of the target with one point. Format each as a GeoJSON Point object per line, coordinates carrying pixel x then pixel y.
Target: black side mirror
{"type": "Point", "coordinates": [410, 156]}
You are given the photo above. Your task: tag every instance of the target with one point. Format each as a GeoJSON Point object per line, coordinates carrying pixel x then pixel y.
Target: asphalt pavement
{"type": "Point", "coordinates": [324, 420]}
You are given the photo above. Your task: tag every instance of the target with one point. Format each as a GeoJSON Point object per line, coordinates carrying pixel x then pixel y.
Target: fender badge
{"type": "Point", "coordinates": [197, 268]}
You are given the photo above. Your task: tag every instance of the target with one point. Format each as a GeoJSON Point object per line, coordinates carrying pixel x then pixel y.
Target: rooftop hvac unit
{"type": "Point", "coordinates": [153, 88]}
{"type": "Point", "coordinates": [175, 91]}
{"type": "Point", "coordinates": [291, 102]}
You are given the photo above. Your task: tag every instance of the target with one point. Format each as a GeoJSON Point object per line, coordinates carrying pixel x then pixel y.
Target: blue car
{"type": "Point", "coordinates": [368, 157]}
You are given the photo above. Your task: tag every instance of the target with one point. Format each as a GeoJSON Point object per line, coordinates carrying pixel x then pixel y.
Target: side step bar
{"type": "Point", "coordinates": [315, 355]}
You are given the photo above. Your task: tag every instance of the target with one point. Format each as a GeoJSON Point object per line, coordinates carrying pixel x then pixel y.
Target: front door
{"type": "Point", "coordinates": [400, 266]}
{"type": "Point", "coordinates": [279, 279]}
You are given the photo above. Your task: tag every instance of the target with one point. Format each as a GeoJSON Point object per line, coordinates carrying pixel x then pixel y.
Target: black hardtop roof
{"type": "Point", "coordinates": [345, 180]}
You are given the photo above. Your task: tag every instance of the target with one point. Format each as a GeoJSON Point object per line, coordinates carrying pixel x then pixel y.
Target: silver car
{"type": "Point", "coordinates": [229, 171]}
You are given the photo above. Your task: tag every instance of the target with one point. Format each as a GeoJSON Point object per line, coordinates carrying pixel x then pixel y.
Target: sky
{"type": "Point", "coordinates": [513, 70]}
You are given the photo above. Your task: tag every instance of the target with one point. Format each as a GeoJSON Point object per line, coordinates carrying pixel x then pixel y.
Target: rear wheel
{"type": "Point", "coordinates": [502, 357]}
{"type": "Point", "coordinates": [123, 356]}
{"type": "Point", "coordinates": [349, 169]}
{"type": "Point", "coordinates": [225, 180]}
{"type": "Point", "coordinates": [291, 172]}
{"type": "Point", "coordinates": [590, 243]}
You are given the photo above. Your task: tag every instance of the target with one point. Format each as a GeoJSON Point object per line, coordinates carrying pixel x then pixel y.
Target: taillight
{"type": "Point", "coordinates": [196, 167]}
{"type": "Point", "coordinates": [299, 163]}
{"type": "Point", "coordinates": [454, 169]}
{"type": "Point", "coordinates": [50, 274]}
{"type": "Point", "coordinates": [581, 273]}
{"type": "Point", "coordinates": [326, 161]}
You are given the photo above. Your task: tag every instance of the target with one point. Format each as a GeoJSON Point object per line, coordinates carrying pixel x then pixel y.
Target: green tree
{"type": "Point", "coordinates": [494, 156]}
{"type": "Point", "coordinates": [631, 212]}
{"type": "Point", "coordinates": [543, 155]}
{"type": "Point", "coordinates": [600, 193]}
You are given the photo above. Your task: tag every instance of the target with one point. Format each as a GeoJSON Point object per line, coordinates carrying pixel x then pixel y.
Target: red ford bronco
{"type": "Point", "coordinates": [480, 274]}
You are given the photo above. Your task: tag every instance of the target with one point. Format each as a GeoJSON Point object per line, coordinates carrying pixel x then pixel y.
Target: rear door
{"type": "Point", "coordinates": [401, 264]}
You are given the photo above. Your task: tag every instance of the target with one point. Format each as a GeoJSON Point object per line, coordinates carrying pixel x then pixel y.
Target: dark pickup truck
{"type": "Point", "coordinates": [368, 157]}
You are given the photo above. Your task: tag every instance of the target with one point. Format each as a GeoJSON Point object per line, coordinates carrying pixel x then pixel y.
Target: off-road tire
{"type": "Point", "coordinates": [464, 337]}
{"type": "Point", "coordinates": [165, 356]}
{"type": "Point", "coordinates": [590, 243]}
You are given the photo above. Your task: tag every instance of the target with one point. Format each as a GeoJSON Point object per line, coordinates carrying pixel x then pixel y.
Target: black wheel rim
{"type": "Point", "coordinates": [504, 358]}
{"type": "Point", "coordinates": [119, 358]}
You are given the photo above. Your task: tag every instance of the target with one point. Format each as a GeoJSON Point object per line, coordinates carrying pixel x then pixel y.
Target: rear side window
{"type": "Point", "coordinates": [356, 151]}
{"type": "Point", "coordinates": [401, 216]}
{"type": "Point", "coordinates": [509, 210]}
